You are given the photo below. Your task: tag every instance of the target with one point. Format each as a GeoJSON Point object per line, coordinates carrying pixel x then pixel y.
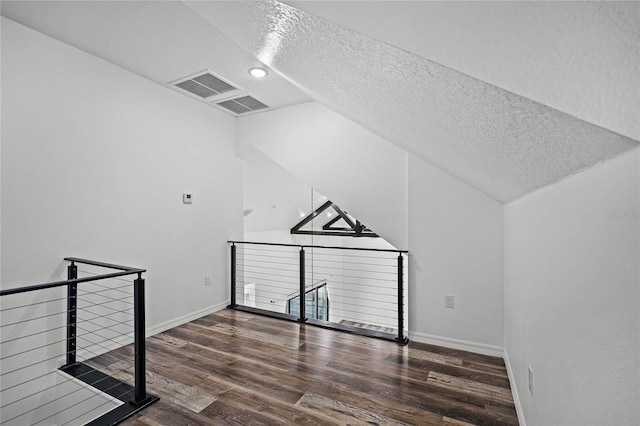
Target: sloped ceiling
{"type": "Point", "coordinates": [160, 40]}
{"type": "Point", "coordinates": [582, 58]}
{"type": "Point", "coordinates": [399, 69]}
{"type": "Point", "coordinates": [504, 144]}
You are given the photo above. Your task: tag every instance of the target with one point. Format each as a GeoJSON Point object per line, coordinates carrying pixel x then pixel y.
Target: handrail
{"type": "Point", "coordinates": [134, 397]}
{"type": "Point", "coordinates": [322, 247]}
{"type": "Point", "coordinates": [125, 270]}
{"type": "Point", "coordinates": [290, 263]}
{"type": "Point", "coordinates": [103, 264]}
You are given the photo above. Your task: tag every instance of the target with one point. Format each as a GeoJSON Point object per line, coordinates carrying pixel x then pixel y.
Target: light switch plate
{"type": "Point", "coordinates": [448, 301]}
{"type": "Point", "coordinates": [187, 198]}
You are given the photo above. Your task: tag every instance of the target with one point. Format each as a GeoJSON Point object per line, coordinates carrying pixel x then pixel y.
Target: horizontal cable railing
{"type": "Point", "coordinates": [52, 336]}
{"type": "Point", "coordinates": [354, 289]}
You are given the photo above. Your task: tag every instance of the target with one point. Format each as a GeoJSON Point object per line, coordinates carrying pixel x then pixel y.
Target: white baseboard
{"type": "Point", "coordinates": [514, 390]}
{"type": "Point", "coordinates": [464, 345]}
{"type": "Point", "coordinates": [185, 318]}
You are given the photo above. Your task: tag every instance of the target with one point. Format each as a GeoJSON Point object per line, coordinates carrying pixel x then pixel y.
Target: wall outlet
{"type": "Point", "coordinates": [207, 280]}
{"type": "Point", "coordinates": [187, 198]}
{"type": "Point", "coordinates": [530, 379]}
{"type": "Point", "coordinates": [448, 301]}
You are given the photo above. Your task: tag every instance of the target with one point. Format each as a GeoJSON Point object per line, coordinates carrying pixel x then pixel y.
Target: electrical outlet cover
{"type": "Point", "coordinates": [448, 301]}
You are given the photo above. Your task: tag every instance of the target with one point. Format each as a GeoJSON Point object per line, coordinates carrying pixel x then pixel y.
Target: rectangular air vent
{"type": "Point", "coordinates": [242, 105]}
{"type": "Point", "coordinates": [204, 84]}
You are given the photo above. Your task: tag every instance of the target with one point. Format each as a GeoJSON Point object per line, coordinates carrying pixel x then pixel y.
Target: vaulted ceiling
{"type": "Point", "coordinates": [160, 40]}
{"type": "Point", "coordinates": [508, 97]}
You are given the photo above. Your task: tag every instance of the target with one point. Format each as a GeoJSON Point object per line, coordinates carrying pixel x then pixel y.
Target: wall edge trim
{"type": "Point", "coordinates": [514, 390]}
{"type": "Point", "coordinates": [465, 345]}
{"type": "Point", "coordinates": [186, 318]}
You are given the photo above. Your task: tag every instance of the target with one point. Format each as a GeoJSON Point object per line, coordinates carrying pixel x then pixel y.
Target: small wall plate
{"type": "Point", "coordinates": [187, 198]}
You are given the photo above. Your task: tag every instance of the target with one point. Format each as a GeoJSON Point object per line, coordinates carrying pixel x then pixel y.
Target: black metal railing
{"type": "Point", "coordinates": [51, 335]}
{"type": "Point", "coordinates": [364, 289]}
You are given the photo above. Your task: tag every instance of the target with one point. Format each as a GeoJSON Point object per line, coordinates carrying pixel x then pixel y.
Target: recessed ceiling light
{"type": "Point", "coordinates": [258, 72]}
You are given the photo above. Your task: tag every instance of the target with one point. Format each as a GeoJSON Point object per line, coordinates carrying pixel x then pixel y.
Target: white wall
{"type": "Point", "coordinates": [277, 199]}
{"type": "Point", "coordinates": [452, 231]}
{"type": "Point", "coordinates": [456, 248]}
{"type": "Point", "coordinates": [334, 155]}
{"type": "Point", "coordinates": [572, 283]}
{"type": "Point", "coordinates": [94, 163]}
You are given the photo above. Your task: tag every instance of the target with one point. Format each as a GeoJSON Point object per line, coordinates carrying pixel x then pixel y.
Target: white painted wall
{"type": "Point", "coordinates": [572, 283]}
{"type": "Point", "coordinates": [455, 240]}
{"type": "Point", "coordinates": [333, 155]}
{"type": "Point", "coordinates": [94, 163]}
{"type": "Point", "coordinates": [277, 199]}
{"type": "Point", "coordinates": [456, 247]}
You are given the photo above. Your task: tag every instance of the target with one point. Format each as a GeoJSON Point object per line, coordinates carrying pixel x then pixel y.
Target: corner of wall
{"type": "Point", "coordinates": [514, 389]}
{"type": "Point", "coordinates": [191, 316]}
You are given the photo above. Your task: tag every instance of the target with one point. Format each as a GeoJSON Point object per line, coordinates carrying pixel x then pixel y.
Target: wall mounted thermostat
{"type": "Point", "coordinates": [187, 198]}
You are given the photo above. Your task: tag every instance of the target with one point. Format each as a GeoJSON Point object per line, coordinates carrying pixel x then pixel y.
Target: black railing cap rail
{"type": "Point", "coordinates": [124, 270]}
{"type": "Point", "coordinates": [103, 264]}
{"type": "Point", "coordinates": [322, 247]}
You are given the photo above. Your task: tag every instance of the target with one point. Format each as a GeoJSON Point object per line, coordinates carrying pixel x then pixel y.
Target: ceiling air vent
{"type": "Point", "coordinates": [205, 85]}
{"type": "Point", "coordinates": [242, 105]}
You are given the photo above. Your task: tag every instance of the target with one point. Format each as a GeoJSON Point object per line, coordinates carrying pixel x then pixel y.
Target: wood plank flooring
{"type": "Point", "coordinates": [236, 368]}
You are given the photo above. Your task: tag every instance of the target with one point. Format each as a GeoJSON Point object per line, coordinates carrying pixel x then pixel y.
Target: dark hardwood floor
{"type": "Point", "coordinates": [235, 368]}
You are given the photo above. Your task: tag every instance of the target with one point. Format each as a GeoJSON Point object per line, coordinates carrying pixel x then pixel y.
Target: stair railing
{"type": "Point", "coordinates": [28, 338]}
{"type": "Point", "coordinates": [365, 287]}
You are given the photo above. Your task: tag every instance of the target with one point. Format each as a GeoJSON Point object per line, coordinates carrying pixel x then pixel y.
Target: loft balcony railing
{"type": "Point", "coordinates": [359, 290]}
{"type": "Point", "coordinates": [55, 339]}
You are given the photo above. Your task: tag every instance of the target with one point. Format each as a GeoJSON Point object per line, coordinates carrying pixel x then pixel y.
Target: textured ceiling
{"type": "Point", "coordinates": [582, 58]}
{"type": "Point", "coordinates": [160, 40]}
{"type": "Point", "coordinates": [415, 73]}
{"type": "Point", "coordinates": [504, 144]}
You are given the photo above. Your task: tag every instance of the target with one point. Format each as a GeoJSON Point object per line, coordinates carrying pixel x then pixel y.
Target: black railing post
{"type": "Point", "coordinates": [233, 277]}
{"type": "Point", "coordinates": [302, 298]}
{"type": "Point", "coordinates": [401, 338]}
{"type": "Point", "coordinates": [72, 314]}
{"type": "Point", "coordinates": [139, 341]}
